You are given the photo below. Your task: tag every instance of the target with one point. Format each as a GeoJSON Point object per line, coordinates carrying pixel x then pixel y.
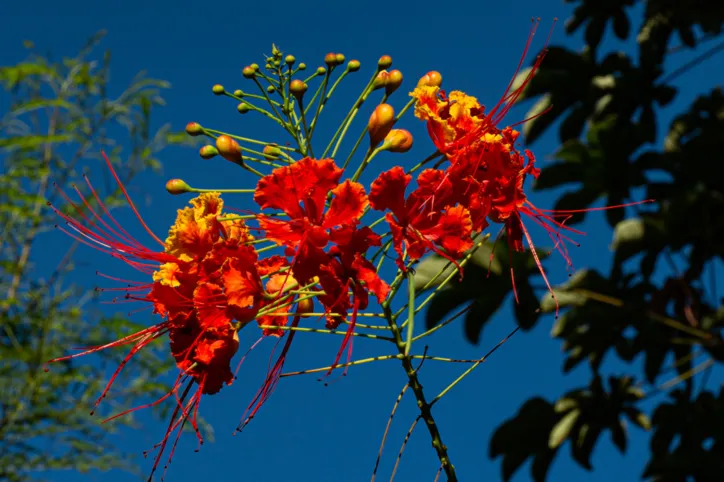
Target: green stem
{"type": "Point", "coordinates": [323, 101]}
{"type": "Point", "coordinates": [327, 332]}
{"type": "Point", "coordinates": [244, 139]}
{"type": "Point", "coordinates": [365, 162]}
{"type": "Point", "coordinates": [422, 404]}
{"type": "Point", "coordinates": [410, 312]}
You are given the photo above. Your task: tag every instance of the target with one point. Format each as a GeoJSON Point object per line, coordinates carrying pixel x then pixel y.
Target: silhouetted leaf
{"type": "Point", "coordinates": [563, 428]}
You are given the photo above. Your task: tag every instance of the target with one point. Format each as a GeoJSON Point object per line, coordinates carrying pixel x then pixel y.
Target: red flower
{"type": "Point", "coordinates": [486, 171]}
{"type": "Point", "coordinates": [206, 284]}
{"type": "Point", "coordinates": [300, 190]}
{"type": "Point", "coordinates": [427, 220]}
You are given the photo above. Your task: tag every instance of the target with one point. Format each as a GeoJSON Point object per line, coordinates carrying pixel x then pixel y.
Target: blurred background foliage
{"type": "Point", "coordinates": [659, 302]}
{"type": "Point", "coordinates": [59, 117]}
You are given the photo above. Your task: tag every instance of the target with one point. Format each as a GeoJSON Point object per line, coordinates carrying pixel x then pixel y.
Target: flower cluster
{"type": "Point", "coordinates": [209, 279]}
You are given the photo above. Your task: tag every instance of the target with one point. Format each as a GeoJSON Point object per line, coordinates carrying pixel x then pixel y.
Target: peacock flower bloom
{"type": "Point", "coordinates": [300, 190]}
{"type": "Point", "coordinates": [427, 220]}
{"type": "Point", "coordinates": [205, 284]}
{"type": "Point", "coordinates": [346, 271]}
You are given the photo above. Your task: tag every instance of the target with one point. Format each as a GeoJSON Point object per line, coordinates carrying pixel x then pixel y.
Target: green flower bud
{"type": "Point", "coordinates": [218, 89]}
{"type": "Point", "coordinates": [271, 151]}
{"type": "Point", "coordinates": [330, 59]}
{"type": "Point", "coordinates": [321, 71]}
{"type": "Point", "coordinates": [207, 152]}
{"type": "Point", "coordinates": [398, 140]}
{"type": "Point", "coordinates": [194, 129]}
{"type": "Point", "coordinates": [177, 186]}
{"type": "Point", "coordinates": [271, 89]}
{"type": "Point", "coordinates": [394, 80]}
{"type": "Point", "coordinates": [340, 59]}
{"type": "Point", "coordinates": [353, 65]}
{"type": "Point", "coordinates": [289, 60]}
{"type": "Point", "coordinates": [239, 93]}
{"type": "Point", "coordinates": [297, 88]}
{"type": "Point", "coordinates": [380, 80]}
{"type": "Point", "coordinates": [243, 108]}
{"type": "Point", "coordinates": [302, 66]}
{"type": "Point", "coordinates": [255, 67]}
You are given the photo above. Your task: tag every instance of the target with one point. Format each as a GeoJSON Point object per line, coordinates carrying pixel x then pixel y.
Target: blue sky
{"type": "Point", "coordinates": [308, 432]}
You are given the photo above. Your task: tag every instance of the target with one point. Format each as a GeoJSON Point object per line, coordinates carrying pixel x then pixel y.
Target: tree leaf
{"type": "Point", "coordinates": [562, 429]}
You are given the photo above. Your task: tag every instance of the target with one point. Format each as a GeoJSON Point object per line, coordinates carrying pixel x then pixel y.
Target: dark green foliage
{"type": "Point", "coordinates": [658, 303]}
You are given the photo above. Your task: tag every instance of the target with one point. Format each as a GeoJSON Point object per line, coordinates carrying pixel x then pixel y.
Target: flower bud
{"type": "Point", "coordinates": [254, 67]}
{"type": "Point", "coordinates": [271, 151]}
{"type": "Point", "coordinates": [385, 62]}
{"type": "Point", "coordinates": [249, 72]}
{"type": "Point", "coordinates": [305, 306]}
{"type": "Point", "coordinates": [271, 89]}
{"type": "Point", "coordinates": [339, 59]}
{"type": "Point", "coordinates": [243, 108]}
{"type": "Point", "coordinates": [297, 88]}
{"type": "Point", "coordinates": [275, 51]}
{"type": "Point", "coordinates": [330, 59]}
{"type": "Point", "coordinates": [321, 71]}
{"type": "Point", "coordinates": [430, 79]}
{"type": "Point", "coordinates": [398, 140]}
{"type": "Point", "coordinates": [353, 65]}
{"type": "Point", "coordinates": [218, 89]}
{"type": "Point", "coordinates": [380, 80]}
{"type": "Point", "coordinates": [194, 129]}
{"type": "Point", "coordinates": [380, 123]}
{"type": "Point", "coordinates": [289, 60]}
{"type": "Point", "coordinates": [177, 186]}
{"type": "Point", "coordinates": [302, 66]}
{"type": "Point", "coordinates": [394, 80]}
{"type": "Point", "coordinates": [239, 93]}
{"type": "Point", "coordinates": [228, 148]}
{"type": "Point", "coordinates": [207, 152]}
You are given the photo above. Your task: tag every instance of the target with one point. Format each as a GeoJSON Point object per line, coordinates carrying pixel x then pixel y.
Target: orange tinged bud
{"type": "Point", "coordinates": [394, 80]}
{"type": "Point", "coordinates": [194, 129]}
{"type": "Point", "coordinates": [330, 59]}
{"type": "Point", "coordinates": [353, 65]}
{"type": "Point", "coordinates": [207, 152]}
{"type": "Point", "coordinates": [218, 89]}
{"type": "Point", "coordinates": [297, 88]}
{"type": "Point", "coordinates": [229, 148]}
{"type": "Point", "coordinates": [380, 123]}
{"type": "Point", "coordinates": [249, 72]}
{"type": "Point", "coordinates": [385, 62]}
{"type": "Point", "coordinates": [305, 306]}
{"type": "Point", "coordinates": [271, 151]}
{"type": "Point", "coordinates": [177, 186]}
{"type": "Point", "coordinates": [381, 80]}
{"type": "Point", "coordinates": [430, 79]}
{"type": "Point", "coordinates": [398, 140]}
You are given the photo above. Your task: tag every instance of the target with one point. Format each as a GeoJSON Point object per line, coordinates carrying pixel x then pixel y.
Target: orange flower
{"type": "Point", "coordinates": [205, 284]}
